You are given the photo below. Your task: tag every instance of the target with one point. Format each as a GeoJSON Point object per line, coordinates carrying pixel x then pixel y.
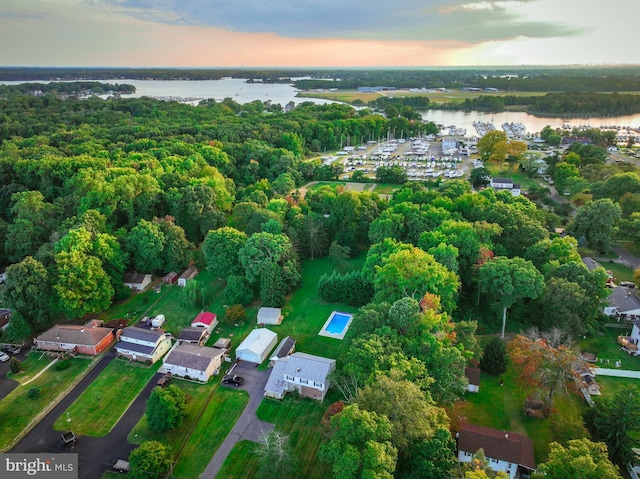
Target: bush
{"type": "Point", "coordinates": [62, 365]}
{"type": "Point", "coordinates": [34, 392]}
{"type": "Point", "coordinates": [238, 290]}
{"type": "Point", "coordinates": [235, 313]}
{"type": "Point", "coordinates": [15, 365]}
{"type": "Point", "coordinates": [349, 288]}
{"type": "Point", "coordinates": [494, 358]}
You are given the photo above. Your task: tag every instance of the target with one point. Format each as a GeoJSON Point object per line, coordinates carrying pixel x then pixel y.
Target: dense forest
{"type": "Point", "coordinates": [90, 189]}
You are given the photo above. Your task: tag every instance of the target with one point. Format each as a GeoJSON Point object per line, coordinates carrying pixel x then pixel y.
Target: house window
{"type": "Point", "coordinates": [316, 384]}
{"type": "Point", "coordinates": [304, 381]}
{"type": "Point", "coordinates": [467, 454]}
{"type": "Point", "coordinates": [288, 378]}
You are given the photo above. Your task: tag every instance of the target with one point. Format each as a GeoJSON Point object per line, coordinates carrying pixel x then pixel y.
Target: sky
{"type": "Point", "coordinates": [317, 33]}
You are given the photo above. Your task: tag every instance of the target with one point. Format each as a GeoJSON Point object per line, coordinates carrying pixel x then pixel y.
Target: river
{"type": "Point", "coordinates": [192, 91]}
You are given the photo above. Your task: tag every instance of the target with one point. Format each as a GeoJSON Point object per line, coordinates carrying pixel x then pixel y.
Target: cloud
{"type": "Point", "coordinates": [444, 21]}
{"type": "Point", "coordinates": [21, 15]}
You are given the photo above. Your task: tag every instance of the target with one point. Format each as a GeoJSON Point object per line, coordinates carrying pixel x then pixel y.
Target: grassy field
{"type": "Point", "coordinates": [504, 169]}
{"type": "Point", "coordinates": [107, 398]}
{"type": "Point", "coordinates": [608, 350]}
{"type": "Point", "coordinates": [35, 362]}
{"type": "Point", "coordinates": [385, 189]}
{"type": "Point", "coordinates": [211, 413]}
{"type": "Point", "coordinates": [620, 272]}
{"type": "Point", "coordinates": [502, 407]}
{"type": "Point", "coordinates": [17, 410]}
{"type": "Point", "coordinates": [241, 463]}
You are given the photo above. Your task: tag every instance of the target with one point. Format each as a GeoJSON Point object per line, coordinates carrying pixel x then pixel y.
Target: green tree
{"type": "Point", "coordinates": [617, 422]}
{"type": "Point", "coordinates": [494, 357]}
{"type": "Point", "coordinates": [221, 248]}
{"type": "Point", "coordinates": [434, 458]}
{"type": "Point", "coordinates": [145, 242]}
{"type": "Point", "coordinates": [359, 445]}
{"type": "Point", "coordinates": [238, 290]}
{"type": "Point", "coordinates": [595, 221]}
{"type": "Point", "coordinates": [166, 408]}
{"type": "Point", "coordinates": [150, 460]}
{"type": "Point", "coordinates": [580, 458]}
{"type": "Point", "coordinates": [565, 306]}
{"type": "Point", "coordinates": [480, 177]}
{"type": "Point", "coordinates": [510, 280]}
{"type": "Point", "coordinates": [15, 365]}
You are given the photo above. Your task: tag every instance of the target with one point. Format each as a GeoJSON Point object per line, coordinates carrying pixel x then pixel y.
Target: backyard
{"type": "Point", "coordinates": [606, 347]}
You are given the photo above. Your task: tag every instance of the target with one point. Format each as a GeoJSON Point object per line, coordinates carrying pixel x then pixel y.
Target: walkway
{"type": "Point", "coordinates": [248, 426]}
{"type": "Point", "coordinates": [617, 373]}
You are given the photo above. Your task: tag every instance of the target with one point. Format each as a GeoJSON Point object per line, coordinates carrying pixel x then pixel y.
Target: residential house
{"type": "Point", "coordinates": [305, 373]}
{"type": "Point", "coordinates": [286, 347]}
{"type": "Point", "coordinates": [499, 184]}
{"type": "Point", "coordinates": [140, 344]}
{"type": "Point", "coordinates": [191, 361]}
{"type": "Point", "coordinates": [205, 320]}
{"type": "Point", "coordinates": [509, 452]}
{"type": "Point", "coordinates": [269, 315]}
{"type": "Point", "coordinates": [3, 274]}
{"type": "Point", "coordinates": [76, 339]}
{"type": "Point", "coordinates": [187, 274]}
{"type": "Point", "coordinates": [473, 376]}
{"type": "Point", "coordinates": [5, 315]}
{"type": "Point", "coordinates": [193, 335]}
{"type": "Point", "coordinates": [623, 304]}
{"type": "Point", "coordinates": [137, 282]}
{"type": "Point", "coordinates": [630, 343]}
{"type": "Point", "coordinates": [256, 346]}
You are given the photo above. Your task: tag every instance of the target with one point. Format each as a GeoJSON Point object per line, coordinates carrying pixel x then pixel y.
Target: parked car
{"type": "Point", "coordinates": [627, 284]}
{"type": "Point", "coordinates": [233, 380]}
{"type": "Point", "coordinates": [4, 357]}
{"type": "Point", "coordinates": [12, 349]}
{"type": "Point", "coordinates": [164, 381]}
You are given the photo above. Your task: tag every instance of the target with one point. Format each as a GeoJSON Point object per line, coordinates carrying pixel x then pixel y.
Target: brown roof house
{"type": "Point", "coordinates": [187, 274]}
{"type": "Point", "coordinates": [137, 282]}
{"type": "Point", "coordinates": [191, 361]}
{"type": "Point", "coordinates": [473, 376]}
{"type": "Point", "coordinates": [505, 451]}
{"type": "Point", "coordinates": [72, 338]}
{"type": "Point", "coordinates": [140, 344]}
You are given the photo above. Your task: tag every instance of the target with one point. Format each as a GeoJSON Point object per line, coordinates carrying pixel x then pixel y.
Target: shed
{"type": "Point", "coordinates": [269, 315]}
{"type": "Point", "coordinates": [473, 375]}
{"type": "Point", "coordinates": [187, 274]}
{"type": "Point", "coordinates": [257, 346]}
{"type": "Point", "coordinates": [206, 320]}
{"type": "Point", "coordinates": [193, 335]}
{"type": "Point", "coordinates": [170, 278]}
{"type": "Point", "coordinates": [222, 343]}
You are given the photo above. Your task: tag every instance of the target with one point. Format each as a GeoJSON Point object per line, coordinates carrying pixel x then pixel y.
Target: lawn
{"type": "Point", "coordinates": [305, 313]}
{"type": "Point", "coordinates": [35, 362]}
{"type": "Point", "coordinates": [608, 350]}
{"type": "Point", "coordinates": [502, 407]}
{"type": "Point", "coordinates": [107, 398]}
{"type": "Point", "coordinates": [504, 169]}
{"type": "Point", "coordinates": [300, 419]}
{"type": "Point", "coordinates": [385, 189]}
{"type": "Point", "coordinates": [620, 272]}
{"type": "Point", "coordinates": [17, 411]}
{"type": "Point", "coordinates": [610, 385]}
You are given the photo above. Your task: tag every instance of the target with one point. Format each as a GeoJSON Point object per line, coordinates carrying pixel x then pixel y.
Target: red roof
{"type": "Point", "coordinates": [506, 446]}
{"type": "Point", "coordinates": [205, 318]}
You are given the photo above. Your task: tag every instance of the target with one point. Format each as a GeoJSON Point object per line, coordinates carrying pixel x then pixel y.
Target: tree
{"type": "Point", "coordinates": [412, 273]}
{"type": "Point", "coordinates": [221, 248]}
{"type": "Point", "coordinates": [276, 455]}
{"type": "Point", "coordinates": [430, 459]}
{"type": "Point", "coordinates": [595, 221]}
{"type": "Point", "coordinates": [166, 408]}
{"type": "Point", "coordinates": [480, 177]}
{"type": "Point", "coordinates": [145, 242]}
{"type": "Point", "coordinates": [565, 306]}
{"type": "Point", "coordinates": [580, 458]}
{"type": "Point", "coordinates": [511, 279]}
{"type": "Point", "coordinates": [359, 445]}
{"type": "Point", "coordinates": [150, 460]}
{"type": "Point", "coordinates": [15, 365]}
{"type": "Point", "coordinates": [617, 421]}
{"type": "Point", "coordinates": [494, 357]}
{"type": "Point", "coordinates": [238, 291]}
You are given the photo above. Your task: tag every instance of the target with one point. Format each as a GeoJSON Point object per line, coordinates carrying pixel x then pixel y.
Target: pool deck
{"type": "Point", "coordinates": [324, 332]}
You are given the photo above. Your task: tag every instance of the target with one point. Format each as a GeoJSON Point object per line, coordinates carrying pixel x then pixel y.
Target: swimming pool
{"type": "Point", "coordinates": [337, 325]}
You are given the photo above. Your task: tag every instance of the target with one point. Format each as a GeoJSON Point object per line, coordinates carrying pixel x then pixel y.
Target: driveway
{"type": "Point", "coordinates": [247, 427]}
{"type": "Point", "coordinates": [95, 454]}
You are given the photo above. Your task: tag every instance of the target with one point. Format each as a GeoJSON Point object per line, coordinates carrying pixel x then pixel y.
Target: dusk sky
{"type": "Point", "coordinates": [282, 33]}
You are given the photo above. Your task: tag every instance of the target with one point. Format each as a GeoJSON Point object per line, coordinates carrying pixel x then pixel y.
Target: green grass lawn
{"type": "Point", "coordinates": [210, 430]}
{"type": "Point", "coordinates": [504, 169]}
{"type": "Point", "coordinates": [35, 362]}
{"type": "Point", "coordinates": [502, 407]}
{"type": "Point", "coordinates": [609, 386]}
{"type": "Point", "coordinates": [620, 272]}
{"type": "Point", "coordinates": [107, 398]}
{"type": "Point", "coordinates": [241, 463]}
{"type": "Point", "coordinates": [608, 350]}
{"type": "Point", "coordinates": [132, 308]}
{"type": "Point", "coordinates": [385, 189]}
{"type": "Point", "coordinates": [17, 411]}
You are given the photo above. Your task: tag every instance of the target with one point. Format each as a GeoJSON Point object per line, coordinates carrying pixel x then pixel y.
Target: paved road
{"type": "Point", "coordinates": [247, 427]}
{"type": "Point", "coordinates": [95, 454]}
{"type": "Point", "coordinates": [618, 373]}
{"type": "Point", "coordinates": [627, 258]}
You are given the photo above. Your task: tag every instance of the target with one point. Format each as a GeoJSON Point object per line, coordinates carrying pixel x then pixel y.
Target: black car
{"type": "Point", "coordinates": [233, 380]}
{"type": "Point", "coordinates": [164, 381]}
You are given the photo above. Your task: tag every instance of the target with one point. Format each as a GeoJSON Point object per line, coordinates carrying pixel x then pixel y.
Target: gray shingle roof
{"type": "Point", "coordinates": [192, 356]}
{"type": "Point", "coordinates": [141, 334]}
{"type": "Point", "coordinates": [134, 347]}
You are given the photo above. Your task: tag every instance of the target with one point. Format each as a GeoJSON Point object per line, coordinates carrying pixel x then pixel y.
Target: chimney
{"type": "Point", "coordinates": [82, 329]}
{"type": "Point", "coordinates": [506, 436]}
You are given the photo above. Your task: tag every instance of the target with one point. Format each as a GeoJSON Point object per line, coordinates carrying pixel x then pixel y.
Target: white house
{"type": "Point", "coordinates": [141, 344]}
{"type": "Point", "coordinates": [305, 373]}
{"type": "Point", "coordinates": [137, 282]}
{"type": "Point", "coordinates": [473, 376]}
{"type": "Point", "coordinates": [505, 451]}
{"type": "Point", "coordinates": [269, 315]}
{"type": "Point", "coordinates": [257, 346]}
{"type": "Point", "coordinates": [205, 320]}
{"type": "Point", "coordinates": [191, 361]}
{"type": "Point", "coordinates": [624, 304]}
{"type": "Point", "coordinates": [505, 184]}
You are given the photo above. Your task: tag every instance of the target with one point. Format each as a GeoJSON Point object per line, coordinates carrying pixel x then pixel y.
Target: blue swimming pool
{"type": "Point", "coordinates": [337, 324]}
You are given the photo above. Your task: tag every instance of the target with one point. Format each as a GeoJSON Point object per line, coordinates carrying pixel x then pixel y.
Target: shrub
{"type": "Point", "coordinates": [15, 365]}
{"type": "Point", "coordinates": [235, 313]}
{"type": "Point", "coordinates": [494, 358]}
{"type": "Point", "coordinates": [34, 392]}
{"type": "Point", "coordinates": [348, 288]}
{"type": "Point", "coordinates": [62, 365]}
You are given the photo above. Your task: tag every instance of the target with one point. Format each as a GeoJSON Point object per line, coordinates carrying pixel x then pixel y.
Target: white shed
{"type": "Point", "coordinates": [257, 346]}
{"type": "Point", "coordinates": [158, 321]}
{"type": "Point", "coordinates": [269, 315]}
